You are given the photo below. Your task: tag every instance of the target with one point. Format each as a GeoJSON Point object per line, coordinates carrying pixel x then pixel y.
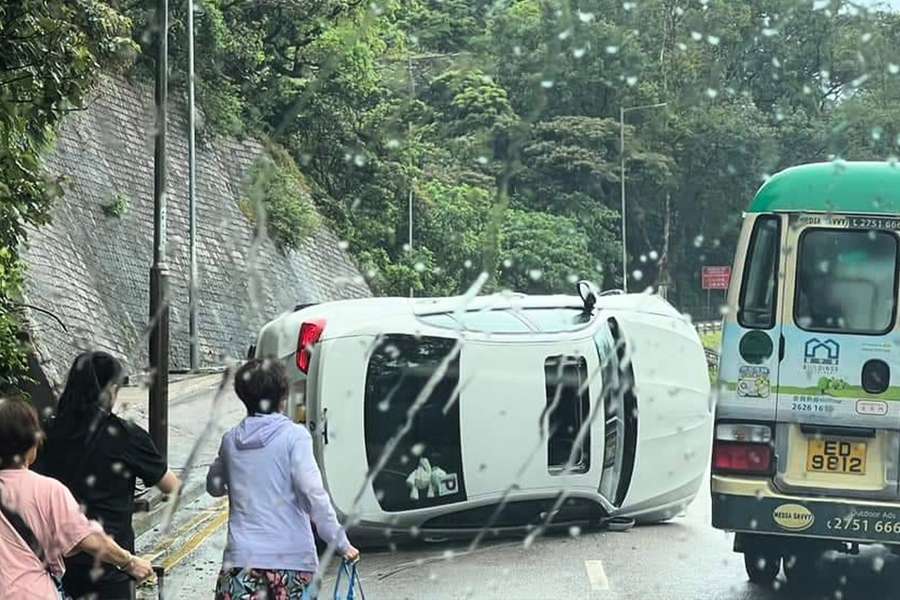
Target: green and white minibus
{"type": "Point", "coordinates": [807, 429]}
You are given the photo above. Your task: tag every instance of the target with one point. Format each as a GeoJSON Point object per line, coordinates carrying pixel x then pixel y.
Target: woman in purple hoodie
{"type": "Point", "coordinates": [267, 468]}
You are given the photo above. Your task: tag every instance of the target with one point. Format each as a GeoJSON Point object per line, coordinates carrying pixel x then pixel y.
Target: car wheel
{"type": "Point", "coordinates": [762, 566]}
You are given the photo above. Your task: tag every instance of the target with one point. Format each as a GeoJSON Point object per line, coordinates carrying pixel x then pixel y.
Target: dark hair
{"type": "Point", "coordinates": [20, 431]}
{"type": "Point", "coordinates": [90, 380]}
{"type": "Point", "coordinates": [262, 385]}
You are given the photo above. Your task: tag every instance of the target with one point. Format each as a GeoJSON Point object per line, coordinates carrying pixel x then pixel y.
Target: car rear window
{"type": "Point", "coordinates": [846, 281]}
{"type": "Point", "coordinates": [425, 467]}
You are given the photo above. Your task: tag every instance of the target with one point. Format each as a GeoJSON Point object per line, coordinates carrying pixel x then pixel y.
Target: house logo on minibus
{"type": "Point", "coordinates": [793, 517]}
{"type": "Point", "coordinates": [821, 356]}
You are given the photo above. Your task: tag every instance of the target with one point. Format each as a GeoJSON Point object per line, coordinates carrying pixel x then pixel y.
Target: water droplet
{"type": "Point", "coordinates": [866, 37]}
{"type": "Point", "coordinates": [637, 275]}
{"type": "Point", "coordinates": [654, 255]}
{"type": "Point", "coordinates": [612, 49]}
{"type": "Point", "coordinates": [547, 84]}
{"type": "Point", "coordinates": [713, 40]}
{"type": "Point", "coordinates": [517, 50]}
{"type": "Point", "coordinates": [585, 17]}
{"type": "Point", "coordinates": [419, 267]}
{"type": "Point", "coordinates": [535, 274]}
{"type": "Point", "coordinates": [418, 449]}
{"type": "Point", "coordinates": [482, 160]}
{"type": "Point", "coordinates": [698, 241]}
{"type": "Point", "coordinates": [820, 4]}
{"type": "Point", "coordinates": [893, 68]}
{"type": "Point", "coordinates": [507, 263]}
{"type": "Point", "coordinates": [393, 143]}
{"type": "Point", "coordinates": [877, 564]}
{"type": "Point", "coordinates": [711, 92]}
{"type": "Point", "coordinates": [467, 264]}
{"type": "Point", "coordinates": [343, 244]}
{"type": "Point", "coordinates": [359, 160]}
{"type": "Point", "coordinates": [574, 531]}
{"type": "Point", "coordinates": [631, 80]}
{"type": "Point", "coordinates": [579, 52]}
{"type": "Point", "coordinates": [564, 34]}
{"type": "Point", "coordinates": [769, 32]}
{"type": "Point", "coordinates": [696, 36]}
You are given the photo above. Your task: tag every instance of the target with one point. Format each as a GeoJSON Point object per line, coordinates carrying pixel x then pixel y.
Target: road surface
{"type": "Point", "coordinates": [683, 559]}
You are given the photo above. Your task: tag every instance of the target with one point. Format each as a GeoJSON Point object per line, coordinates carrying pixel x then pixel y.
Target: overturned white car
{"type": "Point", "coordinates": [439, 416]}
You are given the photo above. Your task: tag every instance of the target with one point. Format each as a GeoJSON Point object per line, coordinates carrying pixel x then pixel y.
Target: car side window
{"type": "Point", "coordinates": [568, 410]}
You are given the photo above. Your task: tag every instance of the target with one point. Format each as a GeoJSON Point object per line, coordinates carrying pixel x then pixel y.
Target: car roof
{"type": "Point", "coordinates": [838, 186]}
{"type": "Point", "coordinates": [404, 315]}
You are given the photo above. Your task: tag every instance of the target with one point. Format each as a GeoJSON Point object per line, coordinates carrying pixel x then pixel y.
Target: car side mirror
{"type": "Point", "coordinates": [588, 293]}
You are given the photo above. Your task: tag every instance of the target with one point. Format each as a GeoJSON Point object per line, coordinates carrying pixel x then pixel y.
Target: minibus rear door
{"type": "Point", "coordinates": [837, 418]}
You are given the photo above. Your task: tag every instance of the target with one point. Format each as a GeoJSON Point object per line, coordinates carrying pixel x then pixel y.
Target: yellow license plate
{"type": "Point", "coordinates": [835, 455]}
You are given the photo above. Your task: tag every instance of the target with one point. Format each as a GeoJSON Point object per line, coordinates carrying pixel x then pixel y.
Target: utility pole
{"type": "Point", "coordinates": [412, 183]}
{"type": "Point", "coordinates": [622, 111]}
{"type": "Point", "coordinates": [622, 194]}
{"type": "Point", "coordinates": [192, 204]}
{"type": "Point", "coordinates": [159, 305]}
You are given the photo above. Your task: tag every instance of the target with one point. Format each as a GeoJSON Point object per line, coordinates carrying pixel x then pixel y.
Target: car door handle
{"type": "Point", "coordinates": [780, 347]}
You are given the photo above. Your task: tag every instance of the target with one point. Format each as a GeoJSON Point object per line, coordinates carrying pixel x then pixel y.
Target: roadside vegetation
{"type": "Point", "coordinates": [498, 119]}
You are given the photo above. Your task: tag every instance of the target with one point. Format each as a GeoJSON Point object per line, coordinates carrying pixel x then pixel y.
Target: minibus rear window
{"type": "Point", "coordinates": [758, 289]}
{"type": "Point", "coordinates": [425, 467]}
{"type": "Point", "coordinates": [846, 281]}
{"type": "Point", "coordinates": [568, 408]}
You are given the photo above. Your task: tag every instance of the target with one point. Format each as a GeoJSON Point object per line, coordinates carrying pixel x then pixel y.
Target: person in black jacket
{"type": "Point", "coordinates": [99, 456]}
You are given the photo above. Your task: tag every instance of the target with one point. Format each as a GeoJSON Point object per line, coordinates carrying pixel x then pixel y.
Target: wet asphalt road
{"type": "Point", "coordinates": [683, 559]}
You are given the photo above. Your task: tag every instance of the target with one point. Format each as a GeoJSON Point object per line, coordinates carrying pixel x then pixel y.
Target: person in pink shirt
{"type": "Point", "coordinates": [40, 521]}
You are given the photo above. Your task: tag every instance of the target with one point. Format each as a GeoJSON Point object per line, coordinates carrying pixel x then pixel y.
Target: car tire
{"type": "Point", "coordinates": [762, 566]}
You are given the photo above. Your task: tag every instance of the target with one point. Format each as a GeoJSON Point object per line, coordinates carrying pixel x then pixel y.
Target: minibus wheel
{"type": "Point", "coordinates": [762, 566]}
{"type": "Point", "coordinates": [800, 567]}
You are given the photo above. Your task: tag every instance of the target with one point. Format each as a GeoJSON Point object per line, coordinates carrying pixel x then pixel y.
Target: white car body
{"type": "Point", "coordinates": [479, 439]}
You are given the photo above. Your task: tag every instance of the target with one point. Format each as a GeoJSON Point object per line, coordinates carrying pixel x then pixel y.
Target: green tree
{"type": "Point", "coordinates": [51, 53]}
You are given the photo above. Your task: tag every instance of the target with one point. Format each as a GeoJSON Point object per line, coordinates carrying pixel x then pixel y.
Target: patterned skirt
{"type": "Point", "coordinates": [261, 584]}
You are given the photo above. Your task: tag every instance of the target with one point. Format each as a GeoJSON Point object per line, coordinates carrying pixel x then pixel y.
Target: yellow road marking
{"type": "Point", "coordinates": [208, 521]}
{"type": "Point", "coordinates": [198, 539]}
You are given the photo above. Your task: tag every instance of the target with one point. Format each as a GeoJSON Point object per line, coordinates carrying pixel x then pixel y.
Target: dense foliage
{"type": "Point", "coordinates": [500, 120]}
{"type": "Point", "coordinates": [51, 52]}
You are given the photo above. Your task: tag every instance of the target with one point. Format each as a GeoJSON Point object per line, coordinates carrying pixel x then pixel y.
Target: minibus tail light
{"type": "Point", "coordinates": [741, 457]}
{"type": "Point", "coordinates": [744, 432]}
{"type": "Point", "coordinates": [310, 332]}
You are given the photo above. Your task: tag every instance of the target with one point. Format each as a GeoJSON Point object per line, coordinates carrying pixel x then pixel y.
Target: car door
{"type": "Point", "coordinates": [527, 412]}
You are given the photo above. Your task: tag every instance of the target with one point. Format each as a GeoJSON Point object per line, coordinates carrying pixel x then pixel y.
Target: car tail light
{"type": "Point", "coordinates": [741, 457]}
{"type": "Point", "coordinates": [310, 332]}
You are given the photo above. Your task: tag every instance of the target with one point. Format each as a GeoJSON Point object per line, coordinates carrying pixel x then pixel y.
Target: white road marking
{"type": "Point", "coordinates": [596, 575]}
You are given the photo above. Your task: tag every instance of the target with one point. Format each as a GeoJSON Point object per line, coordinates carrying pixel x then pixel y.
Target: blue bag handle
{"type": "Point", "coordinates": [349, 569]}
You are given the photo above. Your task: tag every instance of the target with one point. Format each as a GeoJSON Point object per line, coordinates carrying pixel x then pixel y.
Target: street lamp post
{"type": "Point", "coordinates": [159, 304]}
{"type": "Point", "coordinates": [622, 111]}
{"type": "Point", "coordinates": [192, 203]}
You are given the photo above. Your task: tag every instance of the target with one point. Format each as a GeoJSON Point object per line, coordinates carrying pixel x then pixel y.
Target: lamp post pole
{"type": "Point", "coordinates": [622, 111]}
{"type": "Point", "coordinates": [192, 204]}
{"type": "Point", "coordinates": [159, 305]}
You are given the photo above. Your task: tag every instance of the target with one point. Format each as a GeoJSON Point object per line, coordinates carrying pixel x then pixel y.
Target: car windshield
{"type": "Point", "coordinates": [517, 298]}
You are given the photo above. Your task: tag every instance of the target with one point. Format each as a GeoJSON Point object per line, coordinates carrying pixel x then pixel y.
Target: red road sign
{"type": "Point", "coordinates": [715, 278]}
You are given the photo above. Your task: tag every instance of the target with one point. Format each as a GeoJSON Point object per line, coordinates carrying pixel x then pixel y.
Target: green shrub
{"type": "Point", "coordinates": [276, 195]}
